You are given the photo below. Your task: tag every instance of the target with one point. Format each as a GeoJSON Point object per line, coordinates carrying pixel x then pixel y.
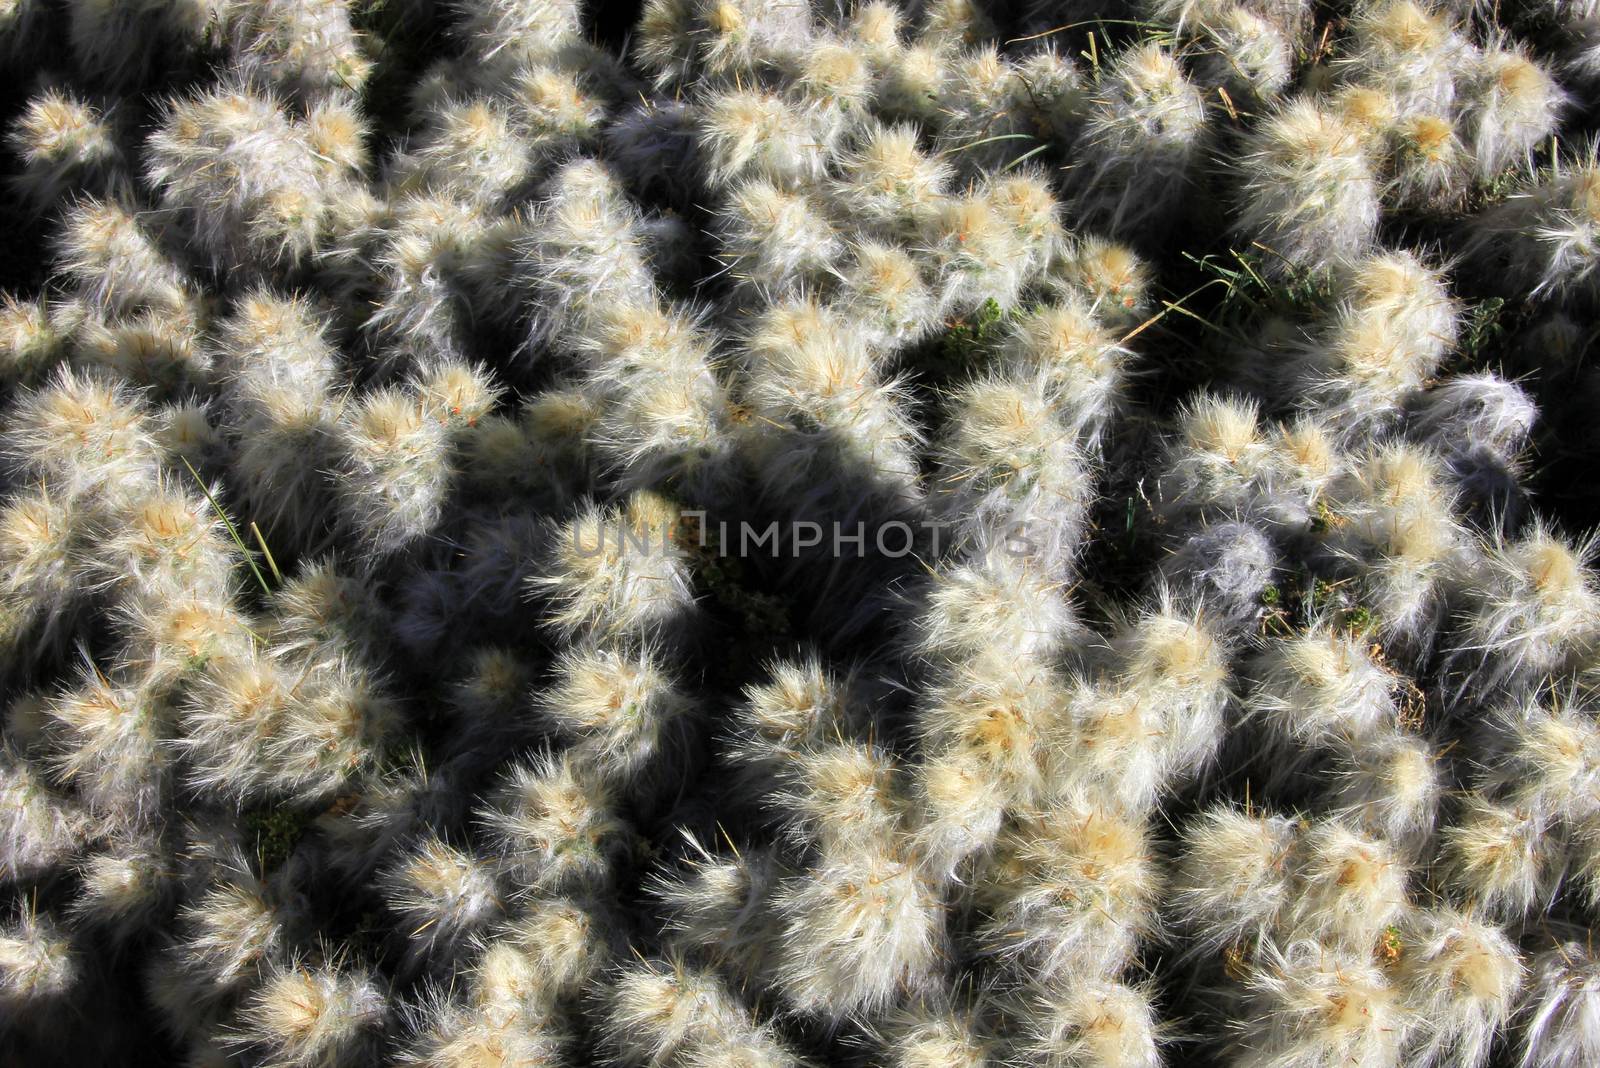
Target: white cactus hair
{"type": "Point", "coordinates": [665, 1011]}
{"type": "Point", "coordinates": [302, 1015]}
{"type": "Point", "coordinates": [781, 533]}
{"type": "Point", "coordinates": [884, 289]}
{"type": "Point", "coordinates": [306, 49]}
{"type": "Point", "coordinates": [1500, 859]}
{"type": "Point", "coordinates": [718, 907]}
{"type": "Point", "coordinates": [1233, 881]}
{"type": "Point", "coordinates": [1478, 408]}
{"type": "Point", "coordinates": [975, 254]}
{"type": "Point", "coordinates": [1462, 976]}
{"type": "Point", "coordinates": [963, 806]}
{"type": "Point", "coordinates": [244, 176]}
{"type": "Point", "coordinates": [1060, 92]}
{"type": "Point", "coordinates": [1390, 786]}
{"type": "Point", "coordinates": [1083, 365]}
{"type": "Point", "coordinates": [837, 418]}
{"type": "Point", "coordinates": [1179, 660]}
{"type": "Point", "coordinates": [48, 427]}
{"type": "Point", "coordinates": [1529, 607]}
{"type": "Point", "coordinates": [1349, 886]}
{"type": "Point", "coordinates": [396, 460]}
{"type": "Point", "coordinates": [1394, 324]}
{"type": "Point", "coordinates": [1537, 238]}
{"type": "Point", "coordinates": [128, 888]}
{"type": "Point", "coordinates": [802, 702]}
{"type": "Point", "coordinates": [416, 262]}
{"type": "Point", "coordinates": [279, 373]}
{"type": "Point", "coordinates": [993, 600]}
{"type": "Point", "coordinates": [1219, 461]}
{"type": "Point", "coordinates": [1307, 1004]}
{"type": "Point", "coordinates": [617, 571]}
{"type": "Point", "coordinates": [560, 116]}
{"type": "Point", "coordinates": [34, 335]}
{"type": "Point", "coordinates": [936, 1035]}
{"type": "Point", "coordinates": [1307, 189]}
{"type": "Point", "coordinates": [1007, 465]}
{"type": "Point", "coordinates": [1114, 278]}
{"type": "Point", "coordinates": [1144, 133]}
{"type": "Point", "coordinates": [325, 610]}
{"type": "Point", "coordinates": [66, 145]}
{"type": "Point", "coordinates": [1584, 862]}
{"type": "Point", "coordinates": [1543, 755]}
{"type": "Point", "coordinates": [560, 947]}
{"type": "Point", "coordinates": [1581, 59]}
{"type": "Point", "coordinates": [555, 827]}
{"type": "Point", "coordinates": [582, 251]}
{"type": "Point", "coordinates": [1400, 528]}
{"type": "Point", "coordinates": [750, 134]}
{"type": "Point", "coordinates": [43, 829]}
{"type": "Point", "coordinates": [442, 896]}
{"type": "Point", "coordinates": [516, 33]}
{"type": "Point", "coordinates": [37, 964]}
{"type": "Point", "coordinates": [982, 114]}
{"type": "Point", "coordinates": [1084, 893]}
{"type": "Point", "coordinates": [1512, 103]}
{"type": "Point", "coordinates": [1085, 1020]}
{"type": "Point", "coordinates": [912, 88]}
{"type": "Point", "coordinates": [1428, 166]}
{"type": "Point", "coordinates": [238, 705]}
{"type": "Point", "coordinates": [227, 934]}
{"type": "Point", "coordinates": [1322, 688]}
{"type": "Point", "coordinates": [777, 241]}
{"type": "Point", "coordinates": [468, 149]}
{"type": "Point", "coordinates": [1223, 570]}
{"type": "Point", "coordinates": [1117, 737]}
{"type": "Point", "coordinates": [998, 710]}
{"type": "Point", "coordinates": [1240, 50]}
{"type": "Point", "coordinates": [442, 1031]}
{"type": "Point", "coordinates": [621, 709]}
{"type": "Point", "coordinates": [860, 931]}
{"type": "Point", "coordinates": [40, 545]}
{"type": "Point", "coordinates": [1558, 1011]}
{"type": "Point", "coordinates": [1407, 49]}
{"type": "Point", "coordinates": [332, 733]}
{"type": "Point", "coordinates": [110, 735]}
{"type": "Point", "coordinates": [887, 183]}
{"type": "Point", "coordinates": [114, 263]}
{"type": "Point", "coordinates": [1025, 200]}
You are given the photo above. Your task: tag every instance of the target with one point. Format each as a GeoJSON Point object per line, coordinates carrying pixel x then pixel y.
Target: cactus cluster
{"type": "Point", "coordinates": [734, 533]}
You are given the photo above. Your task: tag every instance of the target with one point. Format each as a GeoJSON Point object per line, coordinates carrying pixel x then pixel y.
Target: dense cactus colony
{"type": "Point", "coordinates": [773, 533]}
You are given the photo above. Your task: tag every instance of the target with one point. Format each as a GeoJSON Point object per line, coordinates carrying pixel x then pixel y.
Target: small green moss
{"type": "Point", "coordinates": [1503, 185]}
{"type": "Point", "coordinates": [1391, 947]}
{"type": "Point", "coordinates": [760, 615]}
{"type": "Point", "coordinates": [966, 343]}
{"type": "Point", "coordinates": [962, 349]}
{"type": "Point", "coordinates": [1277, 619]}
{"type": "Point", "coordinates": [1485, 325]}
{"type": "Point", "coordinates": [276, 832]}
{"type": "Point", "coordinates": [1323, 518]}
{"type": "Point", "coordinates": [1359, 618]}
{"type": "Point", "coordinates": [1257, 285]}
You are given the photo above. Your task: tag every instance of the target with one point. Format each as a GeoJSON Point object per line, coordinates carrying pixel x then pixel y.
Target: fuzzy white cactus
{"type": "Point", "coordinates": [948, 535]}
